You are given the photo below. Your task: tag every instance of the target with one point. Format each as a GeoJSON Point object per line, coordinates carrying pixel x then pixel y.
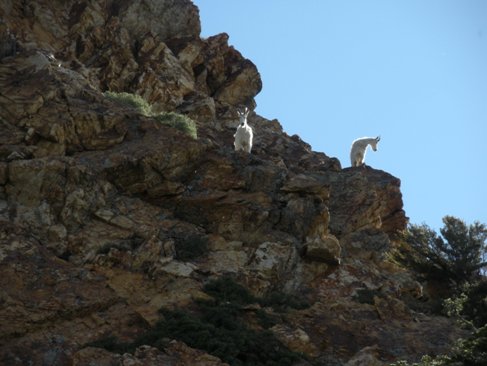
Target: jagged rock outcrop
{"type": "Point", "coordinates": [99, 205]}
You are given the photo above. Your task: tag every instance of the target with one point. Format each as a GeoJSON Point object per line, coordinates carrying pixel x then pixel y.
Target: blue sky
{"type": "Point", "coordinates": [412, 71]}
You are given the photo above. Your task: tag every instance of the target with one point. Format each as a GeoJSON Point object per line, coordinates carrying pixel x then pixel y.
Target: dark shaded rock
{"type": "Point", "coordinates": [8, 44]}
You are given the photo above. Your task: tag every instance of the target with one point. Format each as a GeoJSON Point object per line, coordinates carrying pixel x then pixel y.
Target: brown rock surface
{"type": "Point", "coordinates": [175, 354]}
{"type": "Point", "coordinates": [99, 203]}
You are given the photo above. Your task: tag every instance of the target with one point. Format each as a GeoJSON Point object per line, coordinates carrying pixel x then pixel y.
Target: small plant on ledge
{"type": "Point", "coordinates": [179, 121]}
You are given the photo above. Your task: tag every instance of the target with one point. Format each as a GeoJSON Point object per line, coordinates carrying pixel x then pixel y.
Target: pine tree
{"type": "Point", "coordinates": [464, 248]}
{"type": "Point", "coordinates": [456, 256]}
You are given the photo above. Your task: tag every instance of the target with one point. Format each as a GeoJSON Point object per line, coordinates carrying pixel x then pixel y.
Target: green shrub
{"type": "Point", "coordinates": [472, 351]}
{"type": "Point", "coordinates": [265, 319]}
{"type": "Point", "coordinates": [218, 327]}
{"type": "Point", "coordinates": [181, 122]}
{"type": "Point", "coordinates": [220, 331]}
{"type": "Point", "coordinates": [366, 296]}
{"type": "Point", "coordinates": [454, 257]}
{"type": "Point", "coordinates": [122, 246]}
{"type": "Point", "coordinates": [426, 361]}
{"type": "Point", "coordinates": [130, 100]}
{"type": "Point", "coordinates": [469, 306]}
{"type": "Point", "coordinates": [468, 352]}
{"type": "Point", "coordinates": [281, 301]}
{"type": "Point", "coordinates": [225, 289]}
{"type": "Point", "coordinates": [191, 248]}
{"type": "Point", "coordinates": [475, 306]}
{"type": "Point", "coordinates": [112, 344]}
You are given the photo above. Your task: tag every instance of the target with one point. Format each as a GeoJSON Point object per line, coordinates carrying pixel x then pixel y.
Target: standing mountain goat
{"type": "Point", "coordinates": [359, 146]}
{"type": "Point", "coordinates": [244, 134]}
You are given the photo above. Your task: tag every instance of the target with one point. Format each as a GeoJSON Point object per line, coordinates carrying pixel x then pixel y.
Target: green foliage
{"type": "Point", "coordinates": [472, 351]}
{"type": "Point", "coordinates": [121, 246]}
{"type": "Point", "coordinates": [366, 296]}
{"type": "Point", "coordinates": [181, 122]}
{"type": "Point", "coordinates": [464, 247]}
{"type": "Point", "coordinates": [426, 361]}
{"type": "Point", "coordinates": [453, 307]}
{"type": "Point", "coordinates": [225, 289]}
{"type": "Point", "coordinates": [469, 352]}
{"type": "Point", "coordinates": [265, 319]}
{"type": "Point", "coordinates": [456, 256]}
{"type": "Point", "coordinates": [475, 305]}
{"type": "Point", "coordinates": [220, 331]}
{"type": "Point", "coordinates": [130, 100]}
{"type": "Point", "coordinates": [191, 248]}
{"type": "Point", "coordinates": [176, 120]}
{"type": "Point", "coordinates": [470, 305]}
{"type": "Point", "coordinates": [112, 344]}
{"type": "Point", "coordinates": [216, 326]}
{"type": "Point", "coordinates": [281, 301]}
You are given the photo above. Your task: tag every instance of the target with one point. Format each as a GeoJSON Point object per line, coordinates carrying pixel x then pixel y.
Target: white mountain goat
{"type": "Point", "coordinates": [244, 134]}
{"type": "Point", "coordinates": [359, 146]}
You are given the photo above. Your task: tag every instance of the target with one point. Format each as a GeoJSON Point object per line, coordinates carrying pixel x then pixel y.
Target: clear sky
{"type": "Point", "coordinates": [412, 71]}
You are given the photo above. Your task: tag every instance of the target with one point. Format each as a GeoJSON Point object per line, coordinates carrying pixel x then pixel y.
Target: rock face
{"type": "Point", "coordinates": [106, 215]}
{"type": "Point", "coordinates": [176, 354]}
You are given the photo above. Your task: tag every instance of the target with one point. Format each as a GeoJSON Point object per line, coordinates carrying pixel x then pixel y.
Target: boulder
{"type": "Point", "coordinates": [325, 250]}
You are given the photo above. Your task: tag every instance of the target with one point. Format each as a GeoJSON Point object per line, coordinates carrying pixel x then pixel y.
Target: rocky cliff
{"type": "Point", "coordinates": [107, 216]}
